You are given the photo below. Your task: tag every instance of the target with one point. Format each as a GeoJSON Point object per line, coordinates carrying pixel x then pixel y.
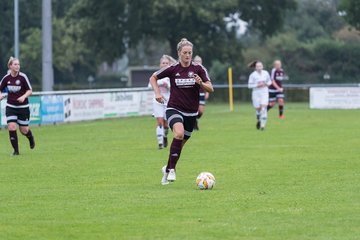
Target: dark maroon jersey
{"type": "Point", "coordinates": [16, 87]}
{"type": "Point", "coordinates": [184, 91]}
{"type": "Point", "coordinates": [278, 76]}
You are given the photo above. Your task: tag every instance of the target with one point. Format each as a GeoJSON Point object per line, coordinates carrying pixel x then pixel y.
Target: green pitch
{"type": "Point", "coordinates": [299, 179]}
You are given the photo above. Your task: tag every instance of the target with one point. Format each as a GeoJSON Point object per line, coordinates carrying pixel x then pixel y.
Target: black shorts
{"type": "Point", "coordinates": [20, 116]}
{"type": "Point", "coordinates": [174, 116]}
{"type": "Point", "coordinates": [202, 100]}
{"type": "Point", "coordinates": [273, 96]}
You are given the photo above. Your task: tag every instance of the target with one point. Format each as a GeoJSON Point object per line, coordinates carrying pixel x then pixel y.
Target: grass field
{"type": "Point", "coordinates": [299, 179]}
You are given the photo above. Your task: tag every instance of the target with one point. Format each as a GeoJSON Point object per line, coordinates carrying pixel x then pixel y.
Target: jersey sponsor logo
{"type": "Point", "coordinates": [185, 82]}
{"type": "Point", "coordinates": [17, 82]}
{"type": "Point", "coordinates": [14, 89]}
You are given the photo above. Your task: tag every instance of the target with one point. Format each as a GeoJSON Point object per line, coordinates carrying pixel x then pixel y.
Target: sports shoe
{"type": "Point", "coordinates": [161, 146]}
{"type": "Point", "coordinates": [15, 153]}
{"type": "Point", "coordinates": [262, 128]}
{"type": "Point", "coordinates": [258, 125]}
{"type": "Point", "coordinates": [171, 175]}
{"type": "Point", "coordinates": [32, 142]}
{"type": "Point", "coordinates": [165, 142]}
{"type": "Point", "coordinates": [281, 116]}
{"type": "Point", "coordinates": [164, 180]}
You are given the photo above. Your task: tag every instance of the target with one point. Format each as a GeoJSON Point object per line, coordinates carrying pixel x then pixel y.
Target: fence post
{"type": "Point", "coordinates": [230, 89]}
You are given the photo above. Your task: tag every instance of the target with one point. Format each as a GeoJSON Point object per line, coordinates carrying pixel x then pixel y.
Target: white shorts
{"type": "Point", "coordinates": [260, 98]}
{"type": "Point", "coordinates": [159, 110]}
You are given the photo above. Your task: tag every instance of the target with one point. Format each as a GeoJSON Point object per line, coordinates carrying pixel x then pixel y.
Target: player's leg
{"type": "Point", "coordinates": [23, 121]}
{"type": "Point", "coordinates": [159, 115]}
{"type": "Point", "coordinates": [175, 120]}
{"type": "Point", "coordinates": [281, 105]}
{"type": "Point", "coordinates": [272, 100]}
{"type": "Point", "coordinates": [263, 110]}
{"type": "Point", "coordinates": [256, 104]}
{"type": "Point", "coordinates": [11, 118]}
{"type": "Point", "coordinates": [166, 130]}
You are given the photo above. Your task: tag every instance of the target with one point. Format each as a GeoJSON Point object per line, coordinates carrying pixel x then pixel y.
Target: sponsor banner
{"type": "Point", "coordinates": [335, 98]}
{"type": "Point", "coordinates": [146, 103]}
{"type": "Point", "coordinates": [35, 113]}
{"type": "Point", "coordinates": [52, 109]}
{"type": "Point", "coordinates": [80, 107]}
{"type": "Point", "coordinates": [120, 104]}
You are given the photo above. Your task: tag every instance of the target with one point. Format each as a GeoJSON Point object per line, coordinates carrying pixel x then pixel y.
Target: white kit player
{"type": "Point", "coordinates": [259, 80]}
{"type": "Point", "coordinates": [162, 127]}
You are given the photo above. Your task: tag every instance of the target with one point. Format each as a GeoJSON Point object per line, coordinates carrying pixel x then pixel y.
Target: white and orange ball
{"type": "Point", "coordinates": [205, 181]}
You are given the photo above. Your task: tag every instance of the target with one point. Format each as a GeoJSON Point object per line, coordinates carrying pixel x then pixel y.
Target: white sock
{"type": "Point", "coordinates": [263, 117]}
{"type": "Point", "coordinates": [160, 134]}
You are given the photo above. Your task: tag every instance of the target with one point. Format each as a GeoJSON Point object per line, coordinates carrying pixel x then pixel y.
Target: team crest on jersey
{"type": "Point", "coordinates": [191, 74]}
{"type": "Point", "coordinates": [17, 82]}
{"type": "Point", "coordinates": [177, 75]}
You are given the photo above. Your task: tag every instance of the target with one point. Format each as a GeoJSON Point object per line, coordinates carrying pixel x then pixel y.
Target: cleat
{"type": "Point", "coordinates": [164, 180]}
{"type": "Point", "coordinates": [32, 142]}
{"type": "Point", "coordinates": [165, 142]}
{"type": "Point", "coordinates": [15, 153]}
{"type": "Point", "coordinates": [171, 175]}
{"type": "Point", "coordinates": [161, 146]}
{"type": "Point", "coordinates": [262, 128]}
{"type": "Point", "coordinates": [258, 125]}
{"type": "Point", "coordinates": [282, 117]}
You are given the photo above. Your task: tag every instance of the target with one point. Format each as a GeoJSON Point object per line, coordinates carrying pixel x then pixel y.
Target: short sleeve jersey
{"type": "Point", "coordinates": [16, 87]}
{"type": "Point", "coordinates": [278, 76]}
{"type": "Point", "coordinates": [184, 91]}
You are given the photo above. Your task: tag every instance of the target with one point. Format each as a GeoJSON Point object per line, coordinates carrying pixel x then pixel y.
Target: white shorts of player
{"type": "Point", "coordinates": [260, 97]}
{"type": "Point", "coordinates": [159, 110]}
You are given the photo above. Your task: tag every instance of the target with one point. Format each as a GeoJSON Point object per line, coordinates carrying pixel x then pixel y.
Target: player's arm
{"type": "Point", "coordinates": [276, 85]}
{"type": "Point", "coordinates": [252, 82]}
{"type": "Point", "coordinates": [207, 94]}
{"type": "Point", "coordinates": [3, 84]}
{"type": "Point", "coordinates": [153, 82]}
{"type": "Point", "coordinates": [26, 95]}
{"type": "Point", "coordinates": [202, 78]}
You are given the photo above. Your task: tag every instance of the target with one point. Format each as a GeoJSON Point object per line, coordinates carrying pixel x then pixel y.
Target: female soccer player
{"type": "Point", "coordinates": [259, 80]}
{"type": "Point", "coordinates": [276, 91]}
{"type": "Point", "coordinates": [162, 128]}
{"type": "Point", "coordinates": [186, 79]}
{"type": "Point", "coordinates": [203, 97]}
{"type": "Point", "coordinates": [17, 107]}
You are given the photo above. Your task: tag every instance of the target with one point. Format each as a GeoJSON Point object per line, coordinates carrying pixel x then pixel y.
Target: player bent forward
{"type": "Point", "coordinates": [186, 79]}
{"type": "Point", "coordinates": [259, 80]}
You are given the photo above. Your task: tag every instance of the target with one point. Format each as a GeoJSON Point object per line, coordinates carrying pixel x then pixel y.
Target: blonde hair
{"type": "Point", "coordinates": [169, 58]}
{"type": "Point", "coordinates": [197, 58]}
{"type": "Point", "coordinates": [11, 60]}
{"type": "Point", "coordinates": [183, 42]}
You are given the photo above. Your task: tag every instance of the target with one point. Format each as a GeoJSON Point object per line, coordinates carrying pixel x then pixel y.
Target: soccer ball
{"type": "Point", "coordinates": [205, 181]}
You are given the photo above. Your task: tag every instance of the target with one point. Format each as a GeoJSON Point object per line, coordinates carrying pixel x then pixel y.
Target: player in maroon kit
{"type": "Point", "coordinates": [17, 107]}
{"type": "Point", "coordinates": [276, 91]}
{"type": "Point", "coordinates": [186, 79]}
{"type": "Point", "coordinates": [203, 97]}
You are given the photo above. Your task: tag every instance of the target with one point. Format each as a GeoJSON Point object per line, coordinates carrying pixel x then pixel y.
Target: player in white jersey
{"type": "Point", "coordinates": [162, 127]}
{"type": "Point", "coordinates": [259, 80]}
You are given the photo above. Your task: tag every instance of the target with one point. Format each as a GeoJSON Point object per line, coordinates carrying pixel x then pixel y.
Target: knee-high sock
{"type": "Point", "coordinates": [29, 134]}
{"type": "Point", "coordinates": [258, 115]}
{"type": "Point", "coordinates": [166, 131]}
{"type": "Point", "coordinates": [175, 151]}
{"type": "Point", "coordinates": [263, 117]}
{"type": "Point", "coordinates": [281, 110]}
{"type": "Point", "coordinates": [269, 107]}
{"type": "Point", "coordinates": [160, 134]}
{"type": "Point", "coordinates": [14, 140]}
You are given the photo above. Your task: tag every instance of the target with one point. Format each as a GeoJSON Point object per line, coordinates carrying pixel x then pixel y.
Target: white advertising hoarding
{"type": "Point", "coordinates": [335, 98]}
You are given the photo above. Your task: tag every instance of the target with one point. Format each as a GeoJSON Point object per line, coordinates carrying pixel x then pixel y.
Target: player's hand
{"type": "Point", "coordinates": [160, 99]}
{"type": "Point", "coordinates": [197, 79]}
{"type": "Point", "coordinates": [261, 84]}
{"type": "Point", "coordinates": [21, 99]}
{"type": "Point", "coordinates": [281, 89]}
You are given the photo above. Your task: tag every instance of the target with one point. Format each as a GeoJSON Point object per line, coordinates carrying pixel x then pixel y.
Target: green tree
{"type": "Point", "coordinates": [351, 12]}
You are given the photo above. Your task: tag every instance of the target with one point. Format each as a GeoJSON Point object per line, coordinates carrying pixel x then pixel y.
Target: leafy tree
{"type": "Point", "coordinates": [351, 12]}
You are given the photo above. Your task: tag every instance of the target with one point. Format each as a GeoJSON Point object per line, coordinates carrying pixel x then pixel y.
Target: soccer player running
{"type": "Point", "coordinates": [276, 91]}
{"type": "Point", "coordinates": [203, 97]}
{"type": "Point", "coordinates": [186, 79]}
{"type": "Point", "coordinates": [17, 107]}
{"type": "Point", "coordinates": [259, 80]}
{"type": "Point", "coordinates": [162, 128]}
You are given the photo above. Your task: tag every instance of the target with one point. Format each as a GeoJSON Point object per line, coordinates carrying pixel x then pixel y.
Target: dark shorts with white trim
{"type": "Point", "coordinates": [273, 96]}
{"type": "Point", "coordinates": [20, 116]}
{"type": "Point", "coordinates": [174, 116]}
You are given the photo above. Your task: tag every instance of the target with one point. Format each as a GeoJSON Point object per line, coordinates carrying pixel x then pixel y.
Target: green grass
{"type": "Point", "coordinates": [299, 179]}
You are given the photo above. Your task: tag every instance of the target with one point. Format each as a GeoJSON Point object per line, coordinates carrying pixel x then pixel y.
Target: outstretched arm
{"type": "Point", "coordinates": [153, 82]}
